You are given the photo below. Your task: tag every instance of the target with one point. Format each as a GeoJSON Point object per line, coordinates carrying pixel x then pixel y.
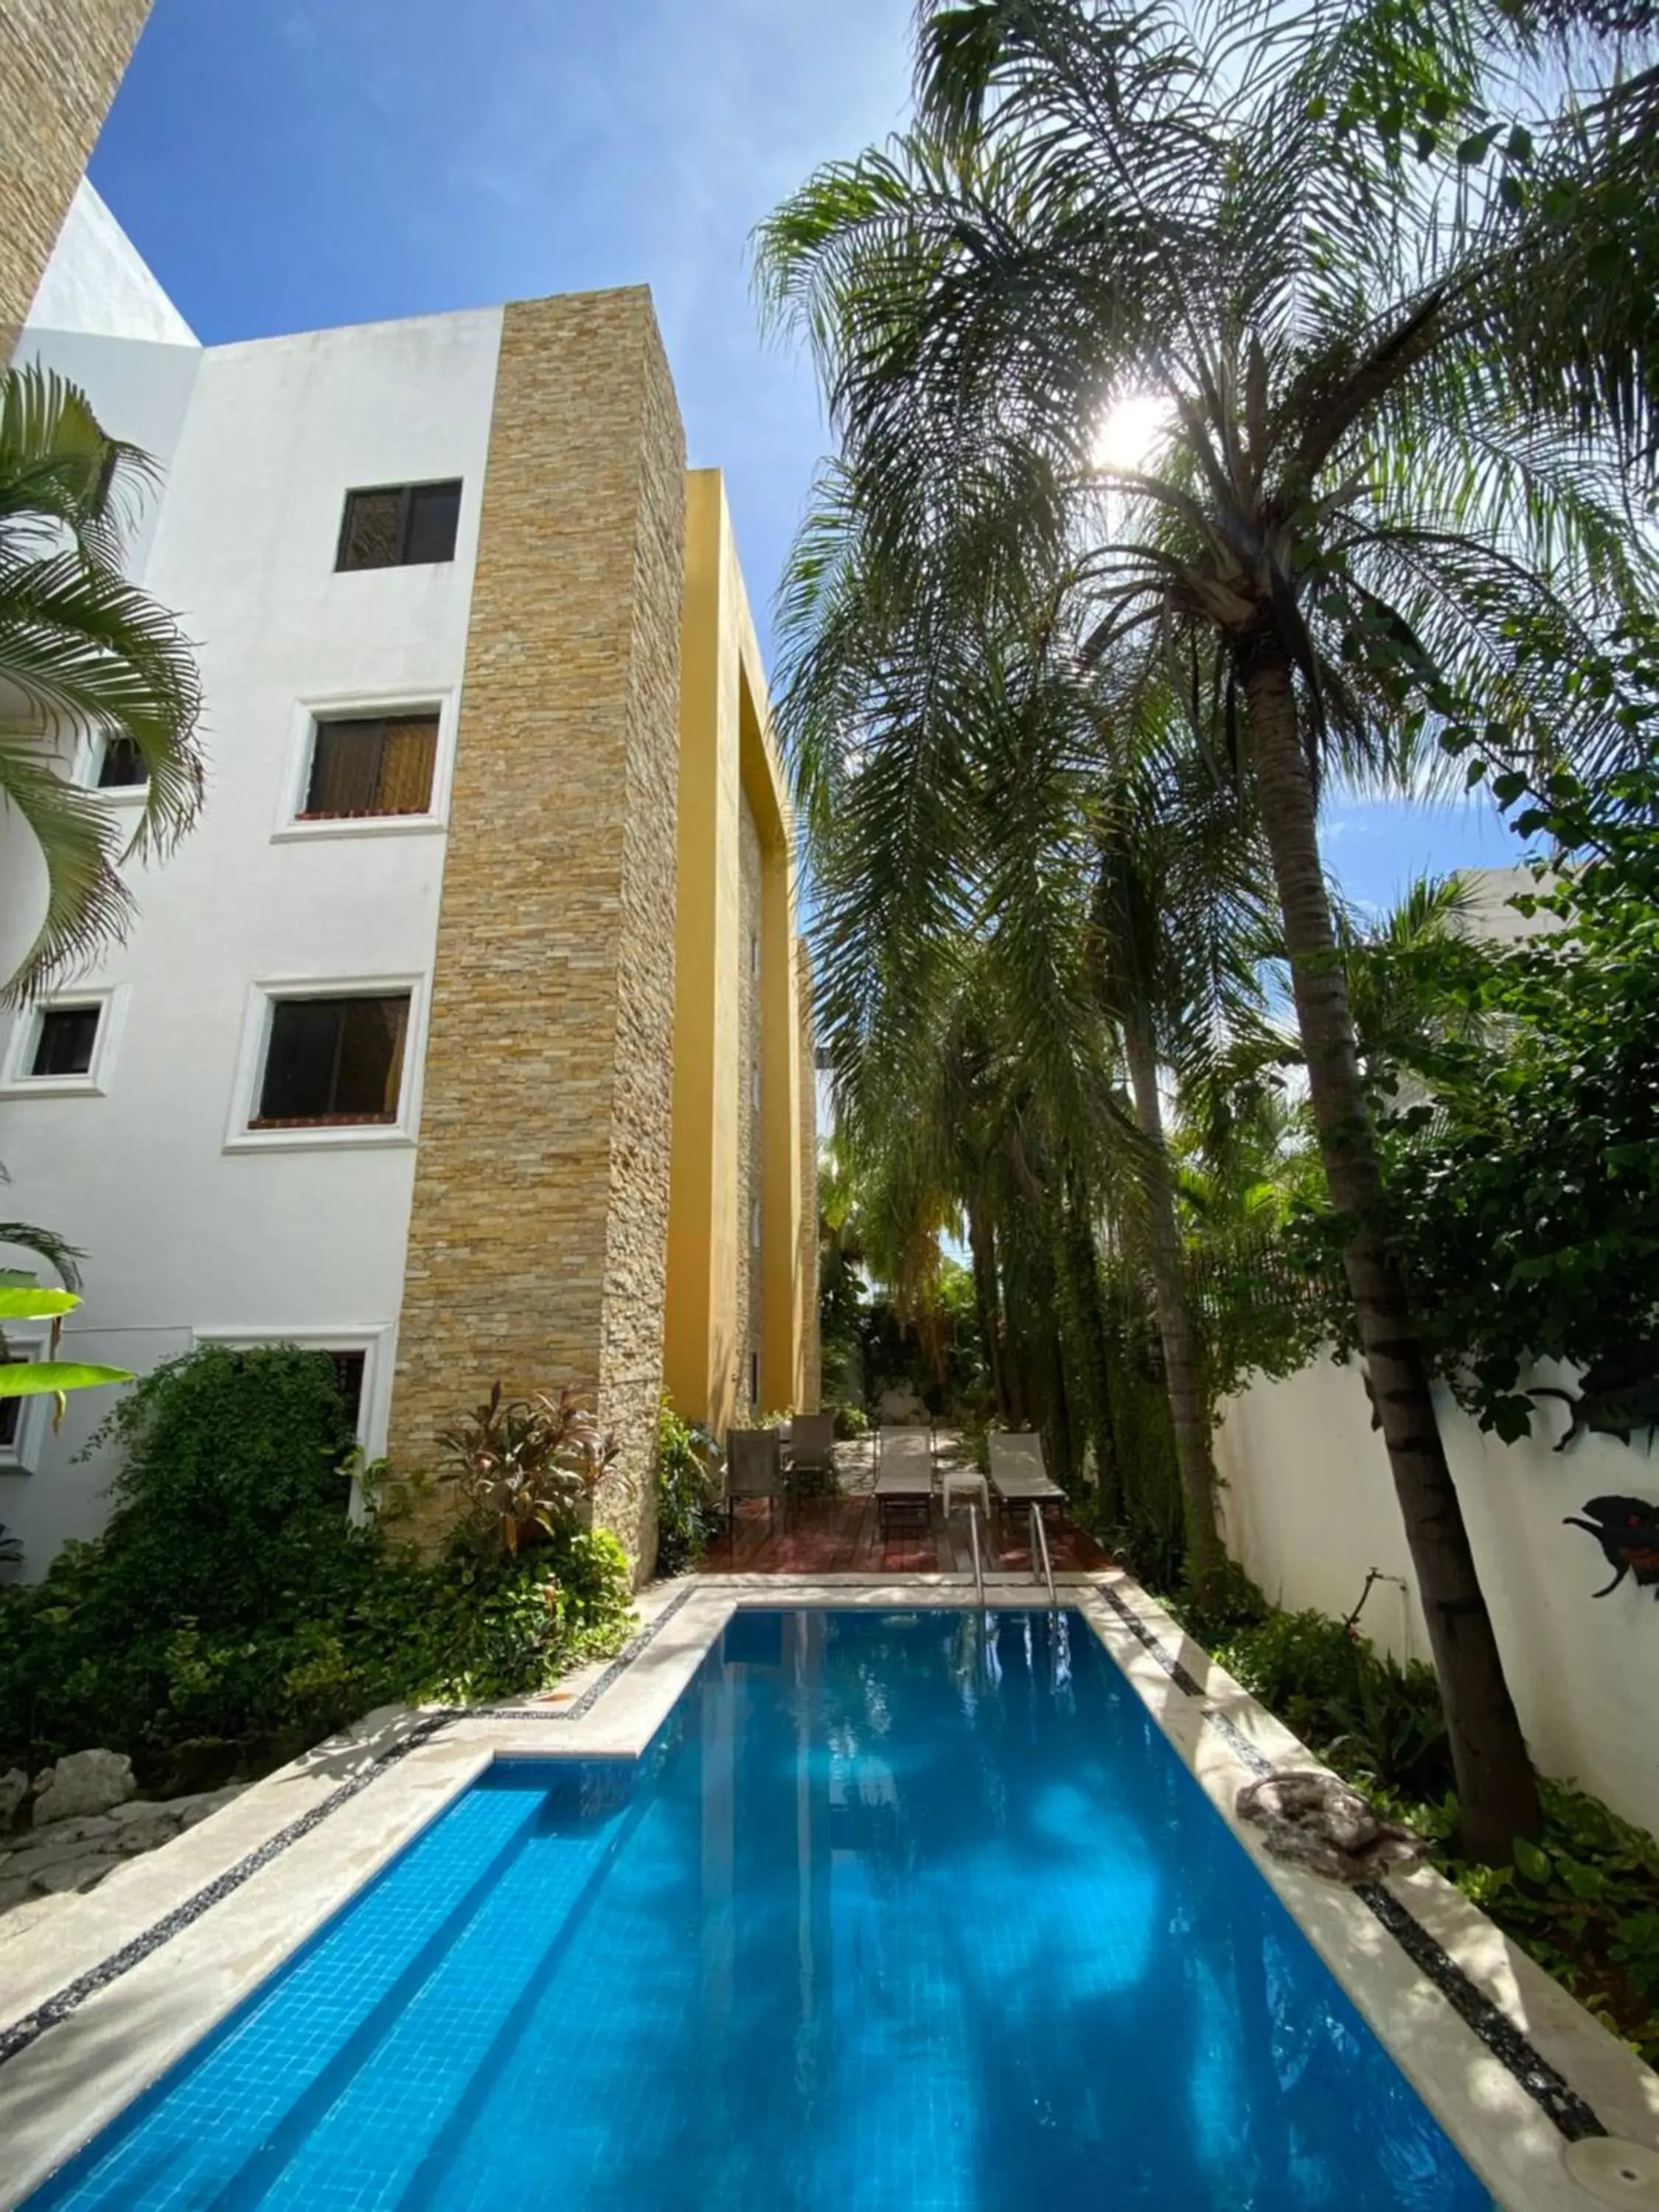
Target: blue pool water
{"type": "Point", "coordinates": [883, 1919]}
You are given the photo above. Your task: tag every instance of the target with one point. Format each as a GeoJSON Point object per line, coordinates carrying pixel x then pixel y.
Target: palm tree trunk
{"type": "Point", "coordinates": [1496, 1791]}
{"type": "Point", "coordinates": [1086, 1319]}
{"type": "Point", "coordinates": [1183, 1378]}
{"type": "Point", "coordinates": [981, 1248]}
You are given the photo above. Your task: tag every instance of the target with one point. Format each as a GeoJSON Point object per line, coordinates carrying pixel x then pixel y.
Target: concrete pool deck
{"type": "Point", "coordinates": [100, 1998]}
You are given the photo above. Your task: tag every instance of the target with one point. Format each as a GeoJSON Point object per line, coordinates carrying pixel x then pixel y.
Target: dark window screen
{"type": "Point", "coordinates": [382, 766]}
{"type": "Point", "coordinates": [396, 525]}
{"type": "Point", "coordinates": [433, 512]}
{"type": "Point", "coordinates": [348, 1376]}
{"type": "Point", "coordinates": [122, 766]}
{"type": "Point", "coordinates": [63, 1045]}
{"type": "Point", "coordinates": [333, 1060]}
{"type": "Point", "coordinates": [11, 1409]}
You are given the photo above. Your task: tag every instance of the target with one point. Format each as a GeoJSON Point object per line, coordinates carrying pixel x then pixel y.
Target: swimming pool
{"type": "Point", "coordinates": [892, 1913]}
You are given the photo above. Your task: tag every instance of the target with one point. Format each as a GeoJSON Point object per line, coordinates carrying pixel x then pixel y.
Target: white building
{"type": "Point", "coordinates": [223, 1113]}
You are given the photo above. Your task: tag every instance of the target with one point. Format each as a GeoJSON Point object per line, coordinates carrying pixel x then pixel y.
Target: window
{"type": "Point", "coordinates": [11, 1409]}
{"type": "Point", "coordinates": [399, 525]}
{"type": "Point", "coordinates": [754, 1379]}
{"type": "Point", "coordinates": [333, 1060]}
{"type": "Point", "coordinates": [122, 767]}
{"type": "Point", "coordinates": [349, 1370]}
{"type": "Point", "coordinates": [754, 952]}
{"type": "Point", "coordinates": [378, 765]}
{"type": "Point", "coordinates": [64, 1042]}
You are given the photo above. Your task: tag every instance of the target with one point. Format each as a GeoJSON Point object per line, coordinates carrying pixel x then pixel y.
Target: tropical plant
{"type": "Point", "coordinates": [1356, 534]}
{"type": "Point", "coordinates": [83, 653]}
{"type": "Point", "coordinates": [688, 1502]}
{"type": "Point", "coordinates": [1523, 1176]}
{"type": "Point", "coordinates": [59, 1255]}
{"type": "Point", "coordinates": [31, 1378]}
{"type": "Point", "coordinates": [525, 1468]}
{"type": "Point", "coordinates": [233, 1612]}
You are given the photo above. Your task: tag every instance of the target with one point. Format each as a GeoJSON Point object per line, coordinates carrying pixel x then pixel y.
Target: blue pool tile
{"type": "Point", "coordinates": [885, 1923]}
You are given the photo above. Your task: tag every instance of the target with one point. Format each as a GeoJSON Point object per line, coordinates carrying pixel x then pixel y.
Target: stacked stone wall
{"type": "Point", "coordinates": [539, 1229]}
{"type": "Point", "coordinates": [60, 62]}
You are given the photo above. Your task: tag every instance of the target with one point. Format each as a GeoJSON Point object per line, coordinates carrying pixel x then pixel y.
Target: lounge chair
{"type": "Point", "coordinates": [753, 1469]}
{"type": "Point", "coordinates": [811, 1450]}
{"type": "Point", "coordinates": [904, 1477]}
{"type": "Point", "coordinates": [1019, 1478]}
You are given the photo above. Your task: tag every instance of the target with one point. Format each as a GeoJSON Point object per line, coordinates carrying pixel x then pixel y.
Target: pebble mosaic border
{"type": "Point", "coordinates": [1561, 2104]}
{"type": "Point", "coordinates": [31, 2024]}
{"type": "Point", "coordinates": [1555, 2097]}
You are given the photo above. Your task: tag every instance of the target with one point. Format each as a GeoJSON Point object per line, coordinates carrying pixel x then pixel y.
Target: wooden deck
{"type": "Point", "coordinates": [840, 1536]}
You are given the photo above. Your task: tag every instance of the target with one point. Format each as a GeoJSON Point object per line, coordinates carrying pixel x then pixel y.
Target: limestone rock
{"type": "Point", "coordinates": [84, 1782]}
{"type": "Point", "coordinates": [147, 1835]}
{"type": "Point", "coordinates": [14, 1788]}
{"type": "Point", "coordinates": [72, 1873]}
{"type": "Point", "coordinates": [190, 1810]}
{"type": "Point", "coordinates": [45, 1853]}
{"type": "Point", "coordinates": [96, 1828]}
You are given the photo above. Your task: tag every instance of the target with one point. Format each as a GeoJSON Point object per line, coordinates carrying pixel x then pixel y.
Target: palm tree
{"type": "Point", "coordinates": [1354, 537]}
{"type": "Point", "coordinates": [1088, 900]}
{"type": "Point", "coordinates": [83, 652]}
{"type": "Point", "coordinates": [1180, 933]}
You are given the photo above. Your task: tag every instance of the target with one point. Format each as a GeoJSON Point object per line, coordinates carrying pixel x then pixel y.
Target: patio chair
{"type": "Point", "coordinates": [753, 1469]}
{"type": "Point", "coordinates": [811, 1451]}
{"type": "Point", "coordinates": [1018, 1477]}
{"type": "Point", "coordinates": [904, 1477]}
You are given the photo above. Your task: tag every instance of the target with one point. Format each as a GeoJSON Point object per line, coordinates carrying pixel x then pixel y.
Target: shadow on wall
{"type": "Point", "coordinates": [1309, 1511]}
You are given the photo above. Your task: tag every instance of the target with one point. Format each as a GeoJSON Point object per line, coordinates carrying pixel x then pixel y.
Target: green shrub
{"type": "Point", "coordinates": [852, 1422]}
{"type": "Point", "coordinates": [1583, 1901]}
{"type": "Point", "coordinates": [688, 1512]}
{"type": "Point", "coordinates": [231, 1614]}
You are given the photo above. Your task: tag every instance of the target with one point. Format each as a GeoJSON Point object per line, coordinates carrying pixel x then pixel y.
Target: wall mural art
{"type": "Point", "coordinates": [1627, 1529]}
{"type": "Point", "coordinates": [1616, 1397]}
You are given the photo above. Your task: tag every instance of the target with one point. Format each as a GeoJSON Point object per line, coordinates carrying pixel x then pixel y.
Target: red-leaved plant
{"type": "Point", "coordinates": [527, 1467]}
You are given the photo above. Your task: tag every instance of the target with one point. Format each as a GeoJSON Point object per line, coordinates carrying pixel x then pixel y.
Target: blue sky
{"type": "Point", "coordinates": [286, 164]}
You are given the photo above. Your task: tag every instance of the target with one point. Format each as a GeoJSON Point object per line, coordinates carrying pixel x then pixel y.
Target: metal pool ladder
{"type": "Point", "coordinates": [1040, 1551]}
{"type": "Point", "coordinates": [978, 1571]}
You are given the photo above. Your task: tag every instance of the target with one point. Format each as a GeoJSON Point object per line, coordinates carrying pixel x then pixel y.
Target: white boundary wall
{"type": "Point", "coordinates": [1309, 1509]}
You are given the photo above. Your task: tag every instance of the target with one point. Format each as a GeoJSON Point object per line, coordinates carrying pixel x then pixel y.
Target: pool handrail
{"type": "Point", "coordinates": [1040, 1551]}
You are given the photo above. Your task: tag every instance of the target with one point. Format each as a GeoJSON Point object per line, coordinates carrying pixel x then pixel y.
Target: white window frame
{"type": "Point", "coordinates": [21, 1454]}
{"type": "Point", "coordinates": [16, 1082]}
{"type": "Point", "coordinates": [372, 1338]}
{"type": "Point", "coordinates": [240, 1137]}
{"type": "Point", "coordinates": [90, 765]}
{"type": "Point", "coordinates": [443, 700]}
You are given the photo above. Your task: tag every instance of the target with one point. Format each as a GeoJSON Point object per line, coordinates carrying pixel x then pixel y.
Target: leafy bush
{"type": "Point", "coordinates": [232, 1614]}
{"type": "Point", "coordinates": [523, 1467]}
{"type": "Point", "coordinates": [1378, 1722]}
{"type": "Point", "coordinates": [687, 1511]}
{"type": "Point", "coordinates": [1583, 1901]}
{"type": "Point", "coordinates": [852, 1422]}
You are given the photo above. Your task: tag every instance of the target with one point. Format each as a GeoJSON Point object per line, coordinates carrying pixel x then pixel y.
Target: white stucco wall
{"type": "Point", "coordinates": [186, 1229]}
{"type": "Point", "coordinates": [98, 283]}
{"type": "Point", "coordinates": [1309, 1507]}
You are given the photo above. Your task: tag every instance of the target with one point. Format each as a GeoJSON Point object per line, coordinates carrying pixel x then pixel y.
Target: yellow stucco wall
{"type": "Point", "coordinates": [728, 765]}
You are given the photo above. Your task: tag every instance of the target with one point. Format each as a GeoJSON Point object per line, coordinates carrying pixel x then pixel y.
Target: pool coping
{"type": "Point", "coordinates": [101, 1996]}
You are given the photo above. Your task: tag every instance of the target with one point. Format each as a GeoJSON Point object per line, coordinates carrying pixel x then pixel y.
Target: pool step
{"type": "Point", "coordinates": [399, 2109]}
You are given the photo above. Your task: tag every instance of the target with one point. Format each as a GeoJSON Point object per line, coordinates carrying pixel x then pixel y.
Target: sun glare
{"type": "Point", "coordinates": [1131, 432]}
